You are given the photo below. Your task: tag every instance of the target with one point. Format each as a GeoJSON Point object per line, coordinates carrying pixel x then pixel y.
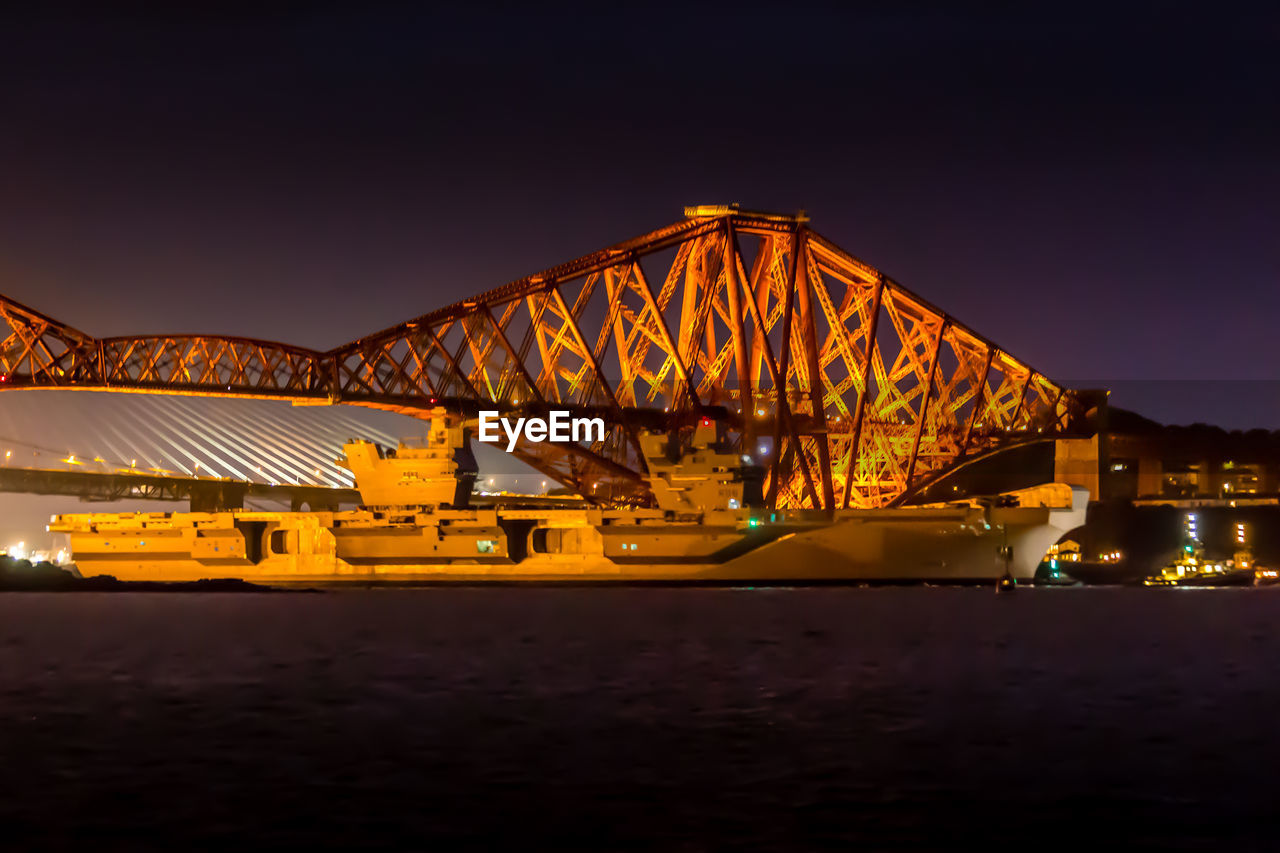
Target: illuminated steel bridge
{"type": "Point", "coordinates": [849, 389]}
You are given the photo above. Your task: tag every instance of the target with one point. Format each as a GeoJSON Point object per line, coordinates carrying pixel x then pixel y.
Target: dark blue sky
{"type": "Point", "coordinates": [1096, 190]}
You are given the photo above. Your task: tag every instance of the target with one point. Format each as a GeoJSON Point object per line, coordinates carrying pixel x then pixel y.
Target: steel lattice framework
{"type": "Point", "coordinates": [849, 388]}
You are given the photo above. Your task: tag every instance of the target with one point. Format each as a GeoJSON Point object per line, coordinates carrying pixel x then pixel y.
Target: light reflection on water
{"type": "Point", "coordinates": [649, 718]}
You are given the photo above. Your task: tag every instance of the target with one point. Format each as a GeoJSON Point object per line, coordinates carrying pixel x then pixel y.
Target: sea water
{"type": "Point", "coordinates": [642, 718]}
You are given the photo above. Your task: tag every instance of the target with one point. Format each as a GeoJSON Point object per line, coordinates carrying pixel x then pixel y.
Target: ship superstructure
{"type": "Point", "coordinates": [437, 470]}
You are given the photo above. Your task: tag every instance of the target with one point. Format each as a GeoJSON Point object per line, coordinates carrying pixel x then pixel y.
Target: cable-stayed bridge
{"type": "Point", "coordinates": [212, 453]}
{"type": "Point", "coordinates": [256, 441]}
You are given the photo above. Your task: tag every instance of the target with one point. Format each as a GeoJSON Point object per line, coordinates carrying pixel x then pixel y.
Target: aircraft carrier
{"type": "Point", "coordinates": [417, 524]}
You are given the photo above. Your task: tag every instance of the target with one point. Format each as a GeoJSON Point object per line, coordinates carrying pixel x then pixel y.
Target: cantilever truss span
{"type": "Point", "coordinates": [847, 388]}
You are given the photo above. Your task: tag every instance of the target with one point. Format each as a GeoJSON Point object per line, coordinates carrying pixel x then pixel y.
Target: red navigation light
{"type": "Point", "coordinates": [706, 421]}
{"type": "Point", "coordinates": [4, 377]}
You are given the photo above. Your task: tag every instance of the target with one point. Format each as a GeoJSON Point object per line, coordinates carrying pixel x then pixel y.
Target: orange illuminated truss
{"type": "Point", "coordinates": [849, 389]}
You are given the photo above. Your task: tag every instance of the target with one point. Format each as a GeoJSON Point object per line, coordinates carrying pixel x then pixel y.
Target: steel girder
{"type": "Point", "coordinates": [851, 390]}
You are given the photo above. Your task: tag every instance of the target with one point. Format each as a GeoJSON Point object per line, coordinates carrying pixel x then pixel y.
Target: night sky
{"type": "Point", "coordinates": [1094, 190]}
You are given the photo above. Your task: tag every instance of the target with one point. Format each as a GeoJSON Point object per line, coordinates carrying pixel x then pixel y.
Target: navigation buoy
{"type": "Point", "coordinates": [1007, 582]}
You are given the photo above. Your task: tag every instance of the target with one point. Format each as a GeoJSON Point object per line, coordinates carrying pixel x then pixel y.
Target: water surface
{"type": "Point", "coordinates": [651, 719]}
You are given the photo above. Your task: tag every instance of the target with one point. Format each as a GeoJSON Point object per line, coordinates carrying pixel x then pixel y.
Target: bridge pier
{"type": "Point", "coordinates": [1076, 461]}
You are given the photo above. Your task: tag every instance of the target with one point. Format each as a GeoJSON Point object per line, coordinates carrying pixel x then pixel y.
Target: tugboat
{"type": "Point", "coordinates": [1065, 564]}
{"type": "Point", "coordinates": [1054, 568]}
{"type": "Point", "coordinates": [1191, 568]}
{"type": "Point", "coordinates": [1265, 577]}
{"type": "Point", "coordinates": [1262, 575]}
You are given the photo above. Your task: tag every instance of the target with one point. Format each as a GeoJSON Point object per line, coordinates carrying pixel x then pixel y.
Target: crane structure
{"type": "Point", "coordinates": [849, 390]}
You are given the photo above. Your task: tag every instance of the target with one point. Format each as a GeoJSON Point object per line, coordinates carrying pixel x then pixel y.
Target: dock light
{"type": "Point", "coordinates": [746, 458]}
{"type": "Point", "coordinates": [764, 451]}
{"type": "Point", "coordinates": [317, 472]}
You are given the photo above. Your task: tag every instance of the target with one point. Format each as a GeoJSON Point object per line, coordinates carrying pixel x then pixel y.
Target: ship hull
{"type": "Point", "coordinates": [947, 545]}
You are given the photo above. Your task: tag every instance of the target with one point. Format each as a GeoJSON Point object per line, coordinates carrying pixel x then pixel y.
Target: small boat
{"type": "Point", "coordinates": [1263, 576]}
{"type": "Point", "coordinates": [1053, 569]}
{"type": "Point", "coordinates": [1064, 565]}
{"type": "Point", "coordinates": [1191, 568]}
